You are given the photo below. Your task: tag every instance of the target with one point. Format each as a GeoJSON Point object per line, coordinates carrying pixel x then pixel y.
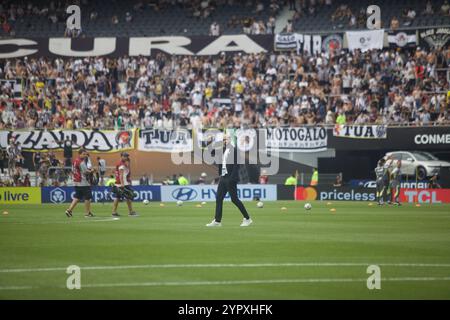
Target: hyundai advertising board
{"type": "Point", "coordinates": [246, 192]}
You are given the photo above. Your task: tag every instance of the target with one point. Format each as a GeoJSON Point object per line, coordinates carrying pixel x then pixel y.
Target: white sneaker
{"type": "Point", "coordinates": [246, 222]}
{"type": "Point", "coordinates": [214, 223]}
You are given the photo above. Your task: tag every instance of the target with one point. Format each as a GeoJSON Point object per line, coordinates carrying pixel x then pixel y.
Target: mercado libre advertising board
{"type": "Point", "coordinates": [52, 140]}
{"type": "Point", "coordinates": [20, 195]}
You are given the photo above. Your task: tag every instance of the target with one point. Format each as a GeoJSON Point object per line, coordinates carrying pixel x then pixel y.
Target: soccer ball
{"type": "Point", "coordinates": [146, 202]}
{"type": "Point", "coordinates": [260, 204]}
{"type": "Point", "coordinates": [308, 206]}
{"type": "Point", "coordinates": [179, 203]}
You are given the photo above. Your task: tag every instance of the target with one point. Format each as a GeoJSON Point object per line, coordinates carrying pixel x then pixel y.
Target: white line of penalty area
{"type": "Point", "coordinates": [231, 282]}
{"type": "Point", "coordinates": [233, 265]}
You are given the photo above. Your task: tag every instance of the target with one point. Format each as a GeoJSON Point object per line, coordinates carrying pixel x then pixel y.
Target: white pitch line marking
{"type": "Point", "coordinates": [266, 281]}
{"type": "Point", "coordinates": [236, 282]}
{"type": "Point", "coordinates": [16, 288]}
{"type": "Point", "coordinates": [87, 220]}
{"type": "Point", "coordinates": [231, 265]}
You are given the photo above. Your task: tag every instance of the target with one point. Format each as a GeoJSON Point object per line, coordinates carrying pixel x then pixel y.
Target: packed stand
{"type": "Point", "coordinates": [257, 90]}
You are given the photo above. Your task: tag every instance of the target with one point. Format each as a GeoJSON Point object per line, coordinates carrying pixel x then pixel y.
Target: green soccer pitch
{"type": "Point", "coordinates": [168, 253]}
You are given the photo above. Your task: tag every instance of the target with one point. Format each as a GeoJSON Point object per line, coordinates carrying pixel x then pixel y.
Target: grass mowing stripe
{"type": "Point", "coordinates": [233, 265]}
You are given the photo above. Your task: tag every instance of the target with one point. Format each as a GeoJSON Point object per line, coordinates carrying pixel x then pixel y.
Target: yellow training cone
{"type": "Point", "coordinates": [417, 204]}
{"type": "Point", "coordinates": [333, 210]}
{"type": "Point", "coordinates": [5, 212]}
{"type": "Point", "coordinates": [370, 204]}
{"type": "Point", "coordinates": [161, 204]}
{"type": "Point", "coordinates": [283, 208]}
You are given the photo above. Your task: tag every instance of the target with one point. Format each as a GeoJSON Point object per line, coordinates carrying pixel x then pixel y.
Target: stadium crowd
{"type": "Point", "coordinates": [254, 90]}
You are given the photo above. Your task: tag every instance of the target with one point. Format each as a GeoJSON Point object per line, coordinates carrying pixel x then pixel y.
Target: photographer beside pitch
{"type": "Point", "coordinates": [229, 177]}
{"type": "Point", "coordinates": [122, 188]}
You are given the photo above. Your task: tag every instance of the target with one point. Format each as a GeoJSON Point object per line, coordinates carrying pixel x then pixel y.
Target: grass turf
{"type": "Point", "coordinates": [168, 253]}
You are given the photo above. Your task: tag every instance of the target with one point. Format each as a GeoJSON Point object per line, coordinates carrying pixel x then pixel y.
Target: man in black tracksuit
{"type": "Point", "coordinates": [229, 177]}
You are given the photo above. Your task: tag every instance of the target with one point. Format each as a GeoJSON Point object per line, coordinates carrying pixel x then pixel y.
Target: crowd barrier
{"type": "Point", "coordinates": [200, 193]}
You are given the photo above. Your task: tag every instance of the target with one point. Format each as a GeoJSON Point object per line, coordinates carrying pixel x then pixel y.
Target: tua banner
{"type": "Point", "coordinates": [165, 140]}
{"type": "Point", "coordinates": [360, 132]}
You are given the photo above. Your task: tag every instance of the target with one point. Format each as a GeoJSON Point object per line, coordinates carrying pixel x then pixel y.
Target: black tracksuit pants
{"type": "Point", "coordinates": [228, 185]}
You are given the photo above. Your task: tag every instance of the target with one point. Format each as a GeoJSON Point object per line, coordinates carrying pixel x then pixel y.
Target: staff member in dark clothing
{"type": "Point", "coordinates": [2, 160]}
{"type": "Point", "coordinates": [380, 173]}
{"type": "Point", "coordinates": [37, 161]}
{"type": "Point", "coordinates": [68, 152]}
{"type": "Point", "coordinates": [229, 177]}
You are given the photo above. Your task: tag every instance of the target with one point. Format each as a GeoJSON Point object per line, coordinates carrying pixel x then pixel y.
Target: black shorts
{"type": "Point", "coordinates": [394, 184]}
{"type": "Point", "coordinates": [380, 184]}
{"type": "Point", "coordinates": [83, 193]}
{"type": "Point", "coordinates": [117, 194]}
{"type": "Point", "coordinates": [102, 173]}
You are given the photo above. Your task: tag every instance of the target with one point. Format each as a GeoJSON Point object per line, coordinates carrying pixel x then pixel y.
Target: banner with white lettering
{"type": "Point", "coordinates": [52, 140]}
{"type": "Point", "coordinates": [165, 140]}
{"type": "Point", "coordinates": [433, 138]}
{"type": "Point", "coordinates": [365, 40]}
{"type": "Point", "coordinates": [310, 44]}
{"type": "Point", "coordinates": [304, 43]}
{"type": "Point", "coordinates": [435, 38]}
{"type": "Point", "coordinates": [285, 41]}
{"type": "Point", "coordinates": [360, 132]}
{"type": "Point", "coordinates": [302, 139]}
{"type": "Point", "coordinates": [135, 46]}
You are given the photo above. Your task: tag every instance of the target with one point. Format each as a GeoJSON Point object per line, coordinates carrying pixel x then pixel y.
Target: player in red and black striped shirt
{"type": "Point", "coordinates": [82, 185]}
{"type": "Point", "coordinates": [122, 188]}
